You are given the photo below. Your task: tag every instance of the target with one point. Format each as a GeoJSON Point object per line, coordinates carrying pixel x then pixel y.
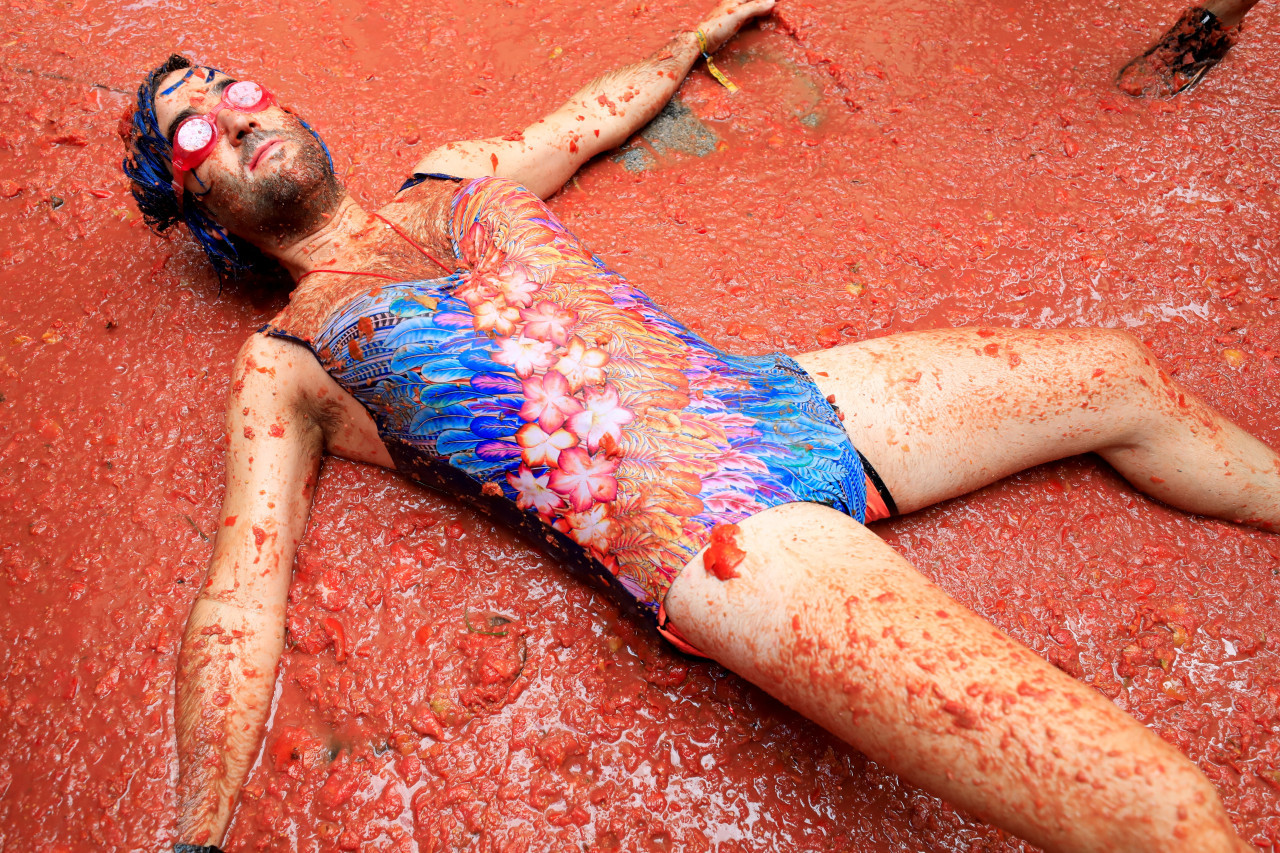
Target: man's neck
{"type": "Point", "coordinates": [346, 228]}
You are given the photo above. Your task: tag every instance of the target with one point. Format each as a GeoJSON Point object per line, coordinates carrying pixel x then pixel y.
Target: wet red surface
{"type": "Point", "coordinates": [883, 168]}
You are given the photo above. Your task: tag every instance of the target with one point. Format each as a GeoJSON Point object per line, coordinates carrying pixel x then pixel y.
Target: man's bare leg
{"type": "Point", "coordinates": [1182, 56]}
{"type": "Point", "coordinates": [830, 620]}
{"type": "Point", "coordinates": [942, 413]}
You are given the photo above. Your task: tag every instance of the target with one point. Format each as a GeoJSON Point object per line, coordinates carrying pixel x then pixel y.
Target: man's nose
{"type": "Point", "coordinates": [236, 125]}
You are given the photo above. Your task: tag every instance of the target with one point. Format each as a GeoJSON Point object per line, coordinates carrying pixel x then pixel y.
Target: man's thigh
{"type": "Point", "coordinates": [830, 620]}
{"type": "Point", "coordinates": [941, 413]}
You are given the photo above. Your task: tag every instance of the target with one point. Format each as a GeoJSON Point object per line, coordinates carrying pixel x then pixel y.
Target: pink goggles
{"type": "Point", "coordinates": [196, 136]}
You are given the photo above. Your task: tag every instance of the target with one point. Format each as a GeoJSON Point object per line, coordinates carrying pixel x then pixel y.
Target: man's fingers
{"type": "Point", "coordinates": [729, 17]}
{"type": "Point", "coordinates": [750, 8]}
{"type": "Point", "coordinates": [741, 10]}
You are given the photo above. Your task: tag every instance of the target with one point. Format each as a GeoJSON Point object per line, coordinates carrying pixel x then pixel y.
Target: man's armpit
{"type": "Point", "coordinates": [424, 213]}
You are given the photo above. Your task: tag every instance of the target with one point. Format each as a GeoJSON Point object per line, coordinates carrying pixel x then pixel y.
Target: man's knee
{"type": "Point", "coordinates": [1120, 360]}
{"type": "Point", "coordinates": [1121, 345]}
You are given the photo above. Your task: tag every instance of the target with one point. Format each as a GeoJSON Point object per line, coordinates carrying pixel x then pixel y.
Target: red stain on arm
{"type": "Point", "coordinates": [964, 717]}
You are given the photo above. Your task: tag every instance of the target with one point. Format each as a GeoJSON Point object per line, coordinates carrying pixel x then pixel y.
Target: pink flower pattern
{"type": "Point", "coordinates": [601, 416]}
{"type": "Point", "coordinates": [571, 419]}
{"type": "Point", "coordinates": [517, 285]}
{"type": "Point", "coordinates": [591, 528]}
{"type": "Point", "coordinates": [493, 315]}
{"type": "Point", "coordinates": [538, 448]}
{"type": "Point", "coordinates": [582, 365]}
{"type": "Point", "coordinates": [547, 321]}
{"type": "Point", "coordinates": [532, 492]}
{"type": "Point", "coordinates": [583, 479]}
{"type": "Point", "coordinates": [523, 356]}
{"type": "Point", "coordinates": [548, 400]}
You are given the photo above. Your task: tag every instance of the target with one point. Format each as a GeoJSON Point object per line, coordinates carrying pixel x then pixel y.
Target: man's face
{"type": "Point", "coordinates": [267, 179]}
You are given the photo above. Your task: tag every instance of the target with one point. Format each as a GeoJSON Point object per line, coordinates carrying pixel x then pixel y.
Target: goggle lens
{"type": "Point", "coordinates": [244, 95]}
{"type": "Point", "coordinates": [194, 135]}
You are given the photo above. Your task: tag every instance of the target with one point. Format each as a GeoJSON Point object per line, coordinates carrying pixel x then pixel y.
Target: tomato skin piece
{"type": "Point", "coordinates": [723, 556]}
{"type": "Point", "coordinates": [337, 635]}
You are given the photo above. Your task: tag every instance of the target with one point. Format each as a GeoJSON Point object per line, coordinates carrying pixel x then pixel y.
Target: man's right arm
{"type": "Point", "coordinates": [600, 116]}
{"type": "Point", "coordinates": [235, 633]}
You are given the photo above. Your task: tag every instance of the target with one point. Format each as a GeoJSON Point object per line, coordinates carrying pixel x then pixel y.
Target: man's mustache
{"type": "Point", "coordinates": [250, 144]}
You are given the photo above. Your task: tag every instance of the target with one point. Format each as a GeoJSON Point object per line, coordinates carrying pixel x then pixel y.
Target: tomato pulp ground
{"type": "Point", "coordinates": [882, 168]}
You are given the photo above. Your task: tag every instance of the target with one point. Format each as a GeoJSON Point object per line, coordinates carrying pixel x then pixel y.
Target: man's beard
{"type": "Point", "coordinates": [291, 202]}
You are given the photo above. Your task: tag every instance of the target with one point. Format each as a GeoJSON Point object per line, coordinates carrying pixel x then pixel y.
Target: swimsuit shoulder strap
{"type": "Point", "coordinates": [420, 177]}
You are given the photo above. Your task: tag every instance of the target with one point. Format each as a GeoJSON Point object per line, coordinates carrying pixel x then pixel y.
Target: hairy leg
{"type": "Point", "coordinates": [945, 412]}
{"type": "Point", "coordinates": [833, 622]}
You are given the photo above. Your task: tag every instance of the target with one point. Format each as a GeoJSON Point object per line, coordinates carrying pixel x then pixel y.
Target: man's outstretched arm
{"type": "Point", "coordinates": [600, 116]}
{"type": "Point", "coordinates": [235, 633]}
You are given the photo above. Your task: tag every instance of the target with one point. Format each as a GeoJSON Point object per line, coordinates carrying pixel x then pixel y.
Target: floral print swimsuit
{"type": "Point", "coordinates": [536, 381]}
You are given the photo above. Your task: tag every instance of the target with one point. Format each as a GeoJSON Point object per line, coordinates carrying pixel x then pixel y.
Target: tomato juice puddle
{"type": "Point", "coordinates": [446, 686]}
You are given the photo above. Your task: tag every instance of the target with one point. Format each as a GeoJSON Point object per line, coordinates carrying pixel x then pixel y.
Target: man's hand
{"type": "Point", "coordinates": [727, 18]}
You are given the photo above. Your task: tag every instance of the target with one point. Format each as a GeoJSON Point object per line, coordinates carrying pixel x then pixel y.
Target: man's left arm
{"type": "Point", "coordinates": [600, 116]}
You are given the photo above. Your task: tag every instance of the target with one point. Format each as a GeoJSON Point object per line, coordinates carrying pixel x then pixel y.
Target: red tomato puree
{"type": "Point", "coordinates": [883, 168]}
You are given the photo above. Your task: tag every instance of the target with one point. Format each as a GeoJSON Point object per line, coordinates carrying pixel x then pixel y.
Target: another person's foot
{"type": "Point", "coordinates": [1180, 59]}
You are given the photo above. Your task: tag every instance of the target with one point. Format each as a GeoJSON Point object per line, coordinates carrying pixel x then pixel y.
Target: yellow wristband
{"type": "Point", "coordinates": [711, 66]}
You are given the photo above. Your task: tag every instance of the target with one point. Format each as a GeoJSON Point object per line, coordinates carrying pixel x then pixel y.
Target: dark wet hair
{"type": "Point", "coordinates": [148, 164]}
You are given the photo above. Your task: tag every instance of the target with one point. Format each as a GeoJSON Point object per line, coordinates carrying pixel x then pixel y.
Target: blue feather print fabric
{"type": "Point", "coordinates": [537, 377]}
